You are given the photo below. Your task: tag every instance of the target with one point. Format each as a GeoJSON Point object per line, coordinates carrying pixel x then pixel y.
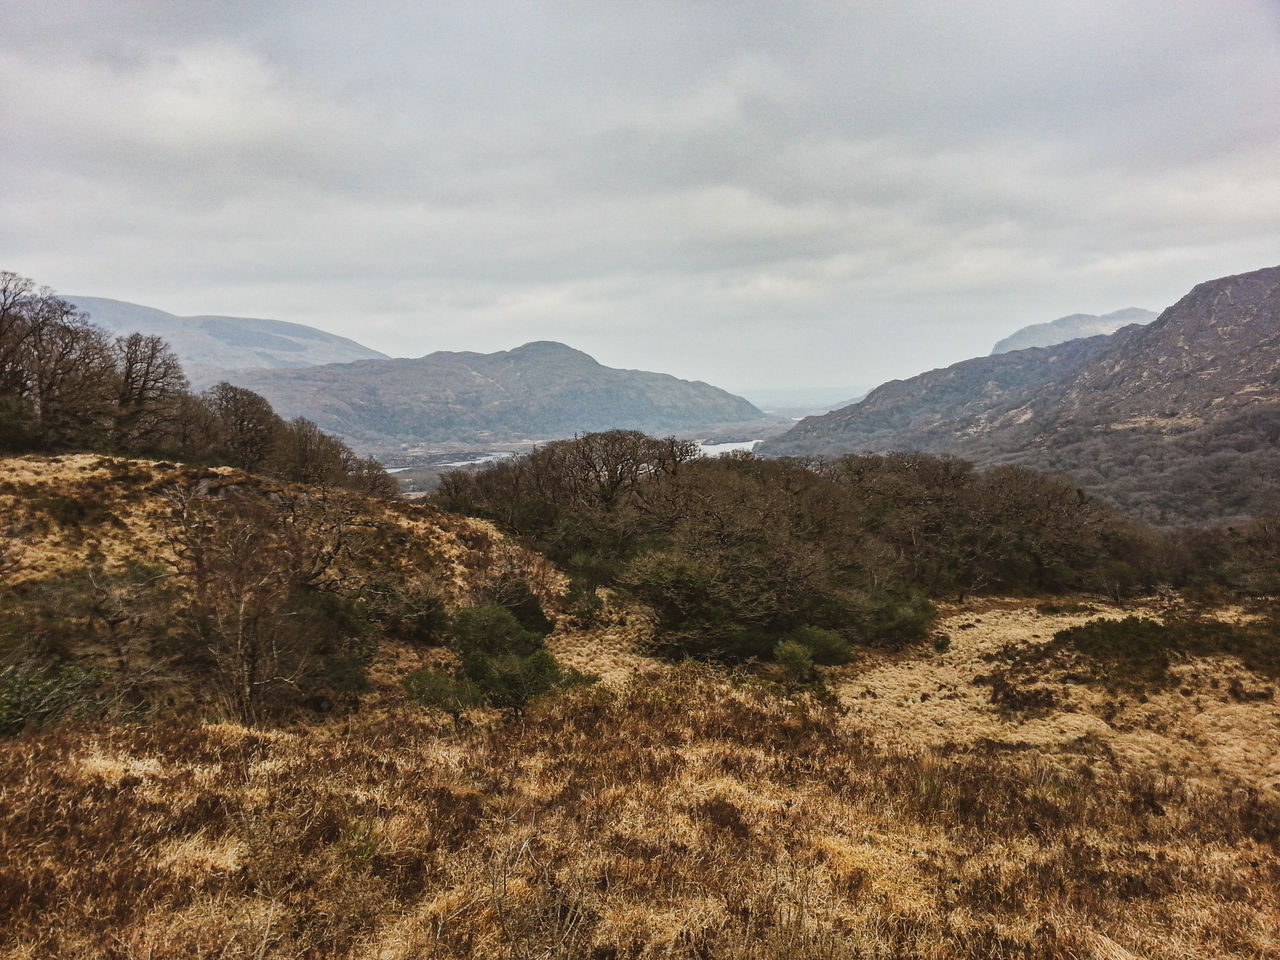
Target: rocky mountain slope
{"type": "Point", "coordinates": [542, 390]}
{"type": "Point", "coordinates": [1178, 420]}
{"type": "Point", "coordinates": [1072, 327]}
{"type": "Point", "coordinates": [210, 346]}
{"type": "Point", "coordinates": [932, 410]}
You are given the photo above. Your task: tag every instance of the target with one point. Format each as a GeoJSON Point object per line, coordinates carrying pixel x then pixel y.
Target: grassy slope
{"type": "Point", "coordinates": [669, 811]}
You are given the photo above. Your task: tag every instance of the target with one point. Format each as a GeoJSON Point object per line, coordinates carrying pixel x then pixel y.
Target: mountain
{"type": "Point", "coordinates": [1072, 327]}
{"type": "Point", "coordinates": [932, 410]}
{"type": "Point", "coordinates": [1177, 421]}
{"type": "Point", "coordinates": [210, 346]}
{"type": "Point", "coordinates": [539, 391]}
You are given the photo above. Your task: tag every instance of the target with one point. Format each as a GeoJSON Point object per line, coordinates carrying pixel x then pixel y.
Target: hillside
{"type": "Point", "coordinates": [1072, 327]}
{"type": "Point", "coordinates": [930, 411]}
{"type": "Point", "coordinates": [1177, 420]}
{"type": "Point", "coordinates": [995, 791]}
{"type": "Point", "coordinates": [209, 347]}
{"type": "Point", "coordinates": [539, 391]}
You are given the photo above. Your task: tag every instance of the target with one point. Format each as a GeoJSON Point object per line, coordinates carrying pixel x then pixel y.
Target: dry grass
{"type": "Point", "coordinates": [71, 512]}
{"type": "Point", "coordinates": [683, 815]}
{"type": "Point", "coordinates": [1198, 727]}
{"type": "Point", "coordinates": [670, 811]}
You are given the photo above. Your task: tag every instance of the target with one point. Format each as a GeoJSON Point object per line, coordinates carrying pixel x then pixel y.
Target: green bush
{"type": "Point", "coordinates": [32, 695]}
{"type": "Point", "coordinates": [490, 630]}
{"type": "Point", "coordinates": [346, 675]}
{"type": "Point", "coordinates": [337, 642]}
{"type": "Point", "coordinates": [406, 614]}
{"type": "Point", "coordinates": [795, 659]}
{"type": "Point", "coordinates": [826, 647]}
{"type": "Point", "coordinates": [507, 663]}
{"type": "Point", "coordinates": [517, 596]}
{"type": "Point", "coordinates": [441, 691]}
{"type": "Point", "coordinates": [897, 620]}
{"type": "Point", "coordinates": [510, 681]}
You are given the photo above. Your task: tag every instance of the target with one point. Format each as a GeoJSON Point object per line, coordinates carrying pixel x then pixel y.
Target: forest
{"type": "Point", "coordinates": [737, 554]}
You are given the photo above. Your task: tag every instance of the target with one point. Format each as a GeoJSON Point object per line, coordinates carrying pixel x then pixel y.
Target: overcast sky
{"type": "Point", "coordinates": [754, 193]}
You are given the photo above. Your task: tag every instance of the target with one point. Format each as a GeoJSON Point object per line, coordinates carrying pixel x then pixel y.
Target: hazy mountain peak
{"type": "Point", "coordinates": [209, 346]}
{"type": "Point", "coordinates": [1072, 327]}
{"type": "Point", "coordinates": [545, 351]}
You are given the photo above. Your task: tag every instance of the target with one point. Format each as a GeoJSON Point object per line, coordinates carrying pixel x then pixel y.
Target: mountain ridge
{"type": "Point", "coordinates": [209, 345]}
{"type": "Point", "coordinates": [1177, 420]}
{"type": "Point", "coordinates": [1072, 327]}
{"type": "Point", "coordinates": [537, 391]}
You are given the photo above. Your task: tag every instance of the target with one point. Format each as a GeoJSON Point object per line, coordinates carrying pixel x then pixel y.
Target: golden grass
{"type": "Point", "coordinates": [683, 814]}
{"type": "Point", "coordinates": [67, 513]}
{"type": "Point", "coordinates": [670, 811]}
{"type": "Point", "coordinates": [932, 699]}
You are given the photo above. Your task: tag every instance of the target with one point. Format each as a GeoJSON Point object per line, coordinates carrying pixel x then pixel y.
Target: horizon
{"type": "Point", "coordinates": [761, 199]}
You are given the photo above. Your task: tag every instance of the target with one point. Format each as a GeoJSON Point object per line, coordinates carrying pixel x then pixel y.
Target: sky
{"type": "Point", "coordinates": [757, 194]}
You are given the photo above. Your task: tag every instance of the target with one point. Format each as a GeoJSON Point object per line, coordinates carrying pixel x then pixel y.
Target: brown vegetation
{"type": "Point", "coordinates": [683, 814]}
{"type": "Point", "coordinates": [988, 791]}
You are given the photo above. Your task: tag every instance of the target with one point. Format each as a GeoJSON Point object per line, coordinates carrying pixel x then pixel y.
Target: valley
{"type": "Point", "coordinates": [616, 695]}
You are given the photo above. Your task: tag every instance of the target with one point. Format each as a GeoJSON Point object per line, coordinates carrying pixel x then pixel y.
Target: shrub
{"type": "Point", "coordinates": [507, 663]}
{"type": "Point", "coordinates": [441, 691]}
{"type": "Point", "coordinates": [31, 695]}
{"type": "Point", "coordinates": [406, 614]}
{"type": "Point", "coordinates": [795, 659]}
{"type": "Point", "coordinates": [510, 681]}
{"type": "Point", "coordinates": [517, 597]}
{"type": "Point", "coordinates": [584, 602]}
{"type": "Point", "coordinates": [897, 620]}
{"type": "Point", "coordinates": [490, 630]}
{"type": "Point", "coordinates": [826, 647]}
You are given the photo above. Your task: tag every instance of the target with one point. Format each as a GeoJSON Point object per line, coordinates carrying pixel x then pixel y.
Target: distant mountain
{"type": "Point", "coordinates": [935, 410]}
{"type": "Point", "coordinates": [1073, 327]}
{"type": "Point", "coordinates": [1178, 420]}
{"type": "Point", "coordinates": [211, 346]}
{"type": "Point", "coordinates": [539, 391]}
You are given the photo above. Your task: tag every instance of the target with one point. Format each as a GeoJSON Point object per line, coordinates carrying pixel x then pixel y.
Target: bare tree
{"type": "Point", "coordinates": [248, 564]}
{"type": "Point", "coordinates": [150, 387]}
{"type": "Point", "coordinates": [57, 374]}
{"type": "Point", "coordinates": [247, 426]}
{"type": "Point", "coordinates": [72, 375]}
{"type": "Point", "coordinates": [306, 454]}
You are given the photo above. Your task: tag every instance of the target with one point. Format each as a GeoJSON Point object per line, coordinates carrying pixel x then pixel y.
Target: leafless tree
{"type": "Point", "coordinates": [150, 386]}
{"type": "Point", "coordinates": [246, 424]}
{"type": "Point", "coordinates": [245, 561]}
{"type": "Point", "coordinates": [57, 373]}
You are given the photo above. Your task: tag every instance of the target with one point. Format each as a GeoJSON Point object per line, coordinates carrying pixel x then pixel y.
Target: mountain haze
{"type": "Point", "coordinates": [210, 346]}
{"type": "Point", "coordinates": [1178, 420]}
{"type": "Point", "coordinates": [542, 390]}
{"type": "Point", "coordinates": [1072, 327]}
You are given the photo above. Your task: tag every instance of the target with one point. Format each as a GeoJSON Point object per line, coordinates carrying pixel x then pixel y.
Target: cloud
{"type": "Point", "coordinates": [830, 192]}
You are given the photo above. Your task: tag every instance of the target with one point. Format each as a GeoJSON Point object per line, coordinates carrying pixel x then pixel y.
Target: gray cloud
{"type": "Point", "coordinates": [747, 193]}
